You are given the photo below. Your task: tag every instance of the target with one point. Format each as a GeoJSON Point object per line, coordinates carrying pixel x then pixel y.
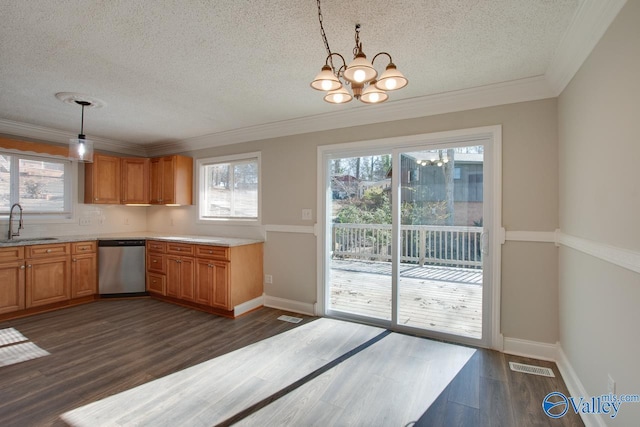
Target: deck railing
{"type": "Point", "coordinates": [422, 244]}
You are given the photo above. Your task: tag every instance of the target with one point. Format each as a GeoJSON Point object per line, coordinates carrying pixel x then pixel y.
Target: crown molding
{"type": "Point", "coordinates": [41, 133]}
{"type": "Point", "coordinates": [590, 22]}
{"type": "Point", "coordinates": [528, 89]}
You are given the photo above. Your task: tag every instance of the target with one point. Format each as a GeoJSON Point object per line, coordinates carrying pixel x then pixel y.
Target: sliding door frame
{"type": "Point", "coordinates": [491, 138]}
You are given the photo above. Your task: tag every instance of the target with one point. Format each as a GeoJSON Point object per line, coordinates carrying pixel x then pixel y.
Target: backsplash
{"type": "Point", "coordinates": [95, 219]}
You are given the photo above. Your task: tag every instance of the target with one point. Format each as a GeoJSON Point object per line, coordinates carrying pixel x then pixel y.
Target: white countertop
{"type": "Point", "coordinates": [144, 235]}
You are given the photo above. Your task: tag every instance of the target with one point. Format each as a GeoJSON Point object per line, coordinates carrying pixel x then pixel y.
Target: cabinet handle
{"type": "Point", "coordinates": [178, 249]}
{"type": "Point", "coordinates": [48, 251]}
{"type": "Point", "coordinates": [75, 260]}
{"type": "Point", "coordinates": [96, 199]}
{"type": "Point", "coordinates": [153, 281]}
{"type": "Point", "coordinates": [155, 260]}
{"type": "Point", "coordinates": [210, 252]}
{"type": "Point", "coordinates": [210, 265]}
{"type": "Point", "coordinates": [29, 266]}
{"type": "Point", "coordinates": [22, 267]}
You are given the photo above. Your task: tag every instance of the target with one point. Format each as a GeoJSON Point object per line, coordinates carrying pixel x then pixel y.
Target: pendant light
{"type": "Point", "coordinates": [81, 148]}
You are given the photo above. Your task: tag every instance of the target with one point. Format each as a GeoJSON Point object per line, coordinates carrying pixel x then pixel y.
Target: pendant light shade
{"type": "Point", "coordinates": [373, 95]}
{"type": "Point", "coordinates": [326, 80]}
{"type": "Point", "coordinates": [340, 96]}
{"type": "Point", "coordinates": [360, 70]}
{"type": "Point", "coordinates": [391, 79]}
{"type": "Point", "coordinates": [81, 148]}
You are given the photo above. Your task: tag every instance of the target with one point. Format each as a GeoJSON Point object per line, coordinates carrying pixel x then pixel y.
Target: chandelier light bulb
{"type": "Point", "coordinates": [359, 76]}
{"type": "Point", "coordinates": [81, 149]}
{"type": "Point", "coordinates": [390, 84]}
{"type": "Point", "coordinates": [339, 96]}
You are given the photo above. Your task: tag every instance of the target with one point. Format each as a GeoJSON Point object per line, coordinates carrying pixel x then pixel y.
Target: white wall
{"type": "Point", "coordinates": [530, 203]}
{"type": "Point", "coordinates": [599, 127]}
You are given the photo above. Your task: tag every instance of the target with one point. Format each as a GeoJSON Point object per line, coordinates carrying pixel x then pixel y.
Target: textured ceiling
{"type": "Point", "coordinates": [171, 70]}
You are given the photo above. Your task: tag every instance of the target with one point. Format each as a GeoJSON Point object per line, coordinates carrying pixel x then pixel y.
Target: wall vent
{"type": "Point", "coordinates": [530, 369]}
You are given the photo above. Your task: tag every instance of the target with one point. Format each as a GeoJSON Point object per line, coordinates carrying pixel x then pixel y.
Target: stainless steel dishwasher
{"type": "Point", "coordinates": [121, 267]}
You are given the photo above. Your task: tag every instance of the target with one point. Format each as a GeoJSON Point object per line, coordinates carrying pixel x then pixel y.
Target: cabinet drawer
{"type": "Point", "coordinates": [156, 283]}
{"type": "Point", "coordinates": [43, 251]}
{"type": "Point", "coordinates": [78, 248]}
{"type": "Point", "coordinates": [156, 246]}
{"type": "Point", "coordinates": [212, 252]}
{"type": "Point", "coordinates": [179, 249]}
{"type": "Point", "coordinates": [14, 253]}
{"type": "Point", "coordinates": [156, 263]}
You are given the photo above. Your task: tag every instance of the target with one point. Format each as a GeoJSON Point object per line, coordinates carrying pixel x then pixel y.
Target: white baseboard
{"type": "Point", "coordinates": [245, 307]}
{"type": "Point", "coordinates": [575, 387]}
{"type": "Point", "coordinates": [289, 305]}
{"type": "Point", "coordinates": [533, 349]}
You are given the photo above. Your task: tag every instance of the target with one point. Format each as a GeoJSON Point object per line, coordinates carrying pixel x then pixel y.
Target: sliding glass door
{"type": "Point", "coordinates": [405, 236]}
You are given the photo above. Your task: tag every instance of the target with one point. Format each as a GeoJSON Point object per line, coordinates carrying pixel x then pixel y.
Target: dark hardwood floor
{"type": "Point", "coordinates": [109, 346]}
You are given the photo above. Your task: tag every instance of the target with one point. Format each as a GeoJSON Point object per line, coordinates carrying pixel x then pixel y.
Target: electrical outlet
{"type": "Point", "coordinates": [611, 385]}
{"type": "Point", "coordinates": [85, 221]}
{"type": "Point", "coordinates": [307, 214]}
{"type": "Point", "coordinates": [268, 278]}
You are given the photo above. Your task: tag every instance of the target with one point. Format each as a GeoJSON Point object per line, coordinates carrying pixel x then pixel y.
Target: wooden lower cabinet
{"type": "Point", "coordinates": [47, 281]}
{"type": "Point", "coordinates": [212, 278]}
{"type": "Point", "coordinates": [212, 284]}
{"type": "Point", "coordinates": [84, 277]}
{"type": "Point", "coordinates": [181, 277]}
{"type": "Point", "coordinates": [12, 276]}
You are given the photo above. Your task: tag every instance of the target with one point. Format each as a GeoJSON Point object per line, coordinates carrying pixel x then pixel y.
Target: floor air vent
{"type": "Point", "coordinates": [290, 319]}
{"type": "Point", "coordinates": [530, 369]}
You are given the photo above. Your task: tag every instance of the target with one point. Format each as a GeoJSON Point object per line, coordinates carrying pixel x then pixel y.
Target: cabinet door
{"type": "Point", "coordinates": [204, 281]}
{"type": "Point", "coordinates": [187, 278]}
{"type": "Point", "coordinates": [12, 286]}
{"type": "Point", "coordinates": [47, 281]}
{"type": "Point", "coordinates": [84, 275]}
{"type": "Point", "coordinates": [221, 297]}
{"type": "Point", "coordinates": [168, 180]}
{"type": "Point", "coordinates": [173, 276]}
{"type": "Point", "coordinates": [102, 180]}
{"type": "Point", "coordinates": [135, 180]}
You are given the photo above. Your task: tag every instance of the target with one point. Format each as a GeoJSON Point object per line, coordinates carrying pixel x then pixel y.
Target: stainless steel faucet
{"type": "Point", "coordinates": [20, 226]}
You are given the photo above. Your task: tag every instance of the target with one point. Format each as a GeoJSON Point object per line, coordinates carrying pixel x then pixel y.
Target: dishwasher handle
{"type": "Point", "coordinates": [120, 243]}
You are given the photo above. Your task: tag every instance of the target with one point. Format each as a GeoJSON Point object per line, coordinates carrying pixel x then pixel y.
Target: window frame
{"type": "Point", "coordinates": [69, 185]}
{"type": "Point", "coordinates": [201, 164]}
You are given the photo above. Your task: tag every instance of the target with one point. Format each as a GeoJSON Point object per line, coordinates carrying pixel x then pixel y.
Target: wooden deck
{"type": "Point", "coordinates": [442, 299]}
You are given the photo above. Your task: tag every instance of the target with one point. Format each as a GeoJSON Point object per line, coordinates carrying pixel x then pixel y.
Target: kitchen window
{"type": "Point", "coordinates": [42, 185]}
{"type": "Point", "coordinates": [229, 188]}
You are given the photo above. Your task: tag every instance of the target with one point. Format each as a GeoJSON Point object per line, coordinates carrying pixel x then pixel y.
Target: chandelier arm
{"type": "Point", "coordinates": [358, 46]}
{"type": "Point", "coordinates": [329, 61]}
{"type": "Point", "coordinates": [381, 53]}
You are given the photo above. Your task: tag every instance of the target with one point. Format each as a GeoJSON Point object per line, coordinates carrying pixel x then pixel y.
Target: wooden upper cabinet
{"type": "Point", "coordinates": [135, 180]}
{"type": "Point", "coordinates": [171, 180]}
{"type": "Point", "coordinates": [102, 180]}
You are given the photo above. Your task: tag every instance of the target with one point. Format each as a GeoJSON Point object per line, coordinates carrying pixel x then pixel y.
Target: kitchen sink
{"type": "Point", "coordinates": [29, 240]}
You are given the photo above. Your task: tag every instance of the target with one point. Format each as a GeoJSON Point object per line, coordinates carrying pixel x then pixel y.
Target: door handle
{"type": "Point", "coordinates": [484, 242]}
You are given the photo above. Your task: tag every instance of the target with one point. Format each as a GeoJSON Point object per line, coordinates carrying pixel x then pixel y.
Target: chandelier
{"type": "Point", "coordinates": [359, 74]}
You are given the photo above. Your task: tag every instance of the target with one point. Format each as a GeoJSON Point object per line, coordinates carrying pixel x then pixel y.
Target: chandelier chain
{"type": "Point", "coordinates": [324, 37]}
